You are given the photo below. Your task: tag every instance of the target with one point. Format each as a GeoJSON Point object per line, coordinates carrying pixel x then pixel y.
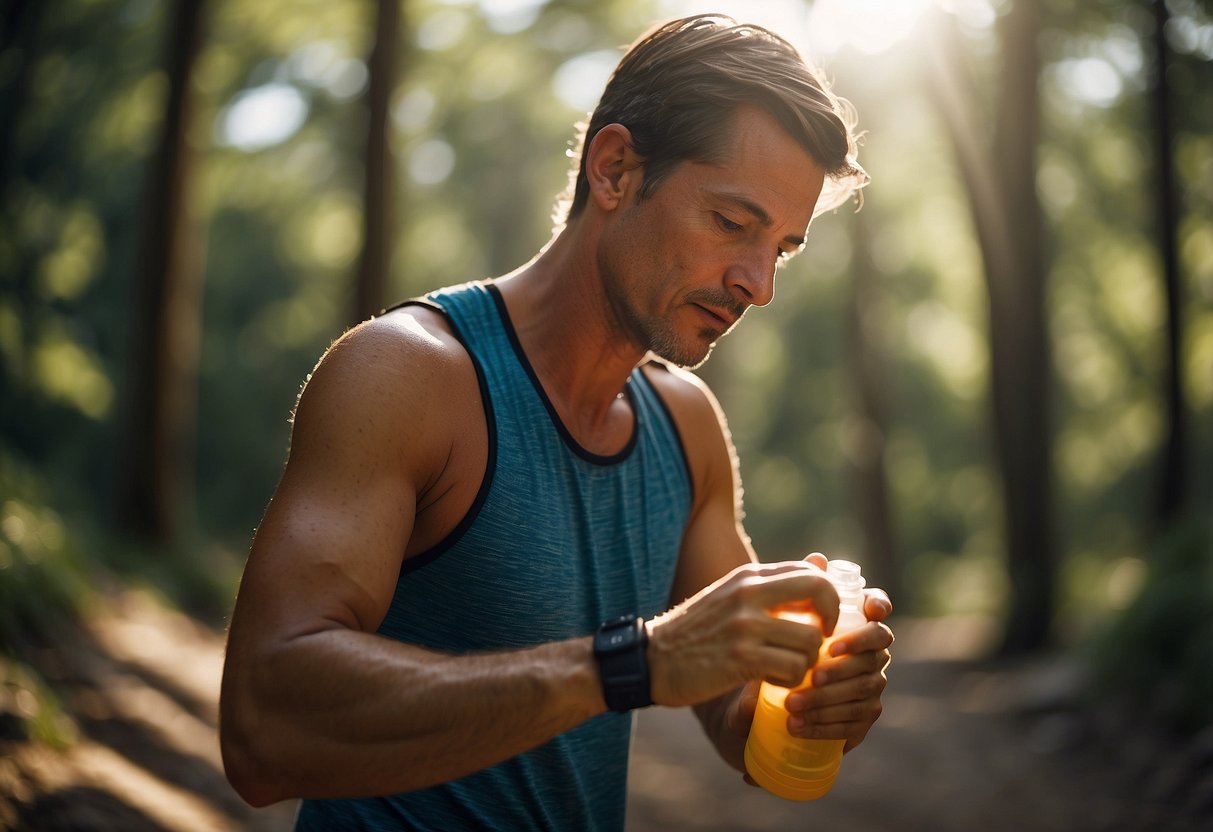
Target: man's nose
{"type": "Point", "coordinates": [752, 280]}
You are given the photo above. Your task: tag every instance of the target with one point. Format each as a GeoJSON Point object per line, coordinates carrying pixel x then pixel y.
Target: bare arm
{"type": "Point", "coordinates": [313, 702]}
{"type": "Point", "coordinates": [847, 700]}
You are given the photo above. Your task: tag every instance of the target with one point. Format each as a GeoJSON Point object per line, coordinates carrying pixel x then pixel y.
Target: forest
{"type": "Point", "coordinates": [991, 384]}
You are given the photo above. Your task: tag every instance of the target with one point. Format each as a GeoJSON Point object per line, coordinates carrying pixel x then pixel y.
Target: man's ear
{"type": "Point", "coordinates": [612, 166]}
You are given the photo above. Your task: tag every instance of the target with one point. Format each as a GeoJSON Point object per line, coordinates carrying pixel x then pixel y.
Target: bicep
{"type": "Point", "coordinates": [329, 549]}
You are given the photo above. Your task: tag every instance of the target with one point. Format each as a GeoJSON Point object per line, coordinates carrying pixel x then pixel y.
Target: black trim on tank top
{"type": "Point", "coordinates": [669, 415]}
{"type": "Point", "coordinates": [569, 440]}
{"type": "Point", "coordinates": [490, 467]}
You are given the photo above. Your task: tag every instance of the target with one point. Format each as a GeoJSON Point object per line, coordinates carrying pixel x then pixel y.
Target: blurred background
{"type": "Point", "coordinates": [992, 386]}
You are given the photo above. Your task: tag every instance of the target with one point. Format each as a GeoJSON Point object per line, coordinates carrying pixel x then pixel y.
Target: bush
{"type": "Point", "coordinates": [42, 575]}
{"type": "Point", "coordinates": [1159, 652]}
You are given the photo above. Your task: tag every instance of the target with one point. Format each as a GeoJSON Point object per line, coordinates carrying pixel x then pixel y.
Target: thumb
{"type": "Point", "coordinates": [818, 559]}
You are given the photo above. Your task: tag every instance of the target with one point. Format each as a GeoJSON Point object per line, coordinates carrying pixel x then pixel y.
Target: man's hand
{"type": "Point", "coordinates": [844, 701]}
{"type": "Point", "coordinates": [727, 635]}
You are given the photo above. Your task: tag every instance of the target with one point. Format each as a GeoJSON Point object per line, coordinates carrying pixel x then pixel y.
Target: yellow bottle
{"type": "Point", "coordinates": [792, 767]}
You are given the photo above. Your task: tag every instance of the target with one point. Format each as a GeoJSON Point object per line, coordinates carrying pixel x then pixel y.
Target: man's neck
{"type": "Point", "coordinates": [559, 310]}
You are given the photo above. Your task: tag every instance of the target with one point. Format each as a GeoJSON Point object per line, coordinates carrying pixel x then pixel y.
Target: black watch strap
{"type": "Point", "coordinates": [619, 647]}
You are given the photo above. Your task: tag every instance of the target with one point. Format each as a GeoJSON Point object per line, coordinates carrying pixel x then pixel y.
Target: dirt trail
{"type": "Point", "coordinates": [960, 747]}
{"type": "Point", "coordinates": [143, 685]}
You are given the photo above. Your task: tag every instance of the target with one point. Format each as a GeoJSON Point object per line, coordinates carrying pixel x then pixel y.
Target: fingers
{"type": "Point", "coordinates": [834, 670]}
{"type": "Point", "coordinates": [846, 710]}
{"type": "Point", "coordinates": [876, 604]}
{"type": "Point", "coordinates": [873, 636]}
{"type": "Point", "coordinates": [730, 633]}
{"type": "Point", "coordinates": [801, 637]}
{"type": "Point", "coordinates": [795, 585]}
{"type": "Point", "coordinates": [817, 559]}
{"type": "Point", "coordinates": [860, 688]}
{"type": "Point", "coordinates": [852, 732]}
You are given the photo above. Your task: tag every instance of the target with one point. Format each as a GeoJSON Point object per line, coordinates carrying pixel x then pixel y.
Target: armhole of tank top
{"type": "Point", "coordinates": [669, 415]}
{"type": "Point", "coordinates": [430, 555]}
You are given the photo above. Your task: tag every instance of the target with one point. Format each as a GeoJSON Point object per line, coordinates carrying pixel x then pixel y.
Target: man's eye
{"type": "Point", "coordinates": [726, 223]}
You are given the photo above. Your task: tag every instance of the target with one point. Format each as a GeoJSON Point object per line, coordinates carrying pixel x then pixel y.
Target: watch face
{"type": "Point", "coordinates": [615, 639]}
{"type": "Point", "coordinates": [616, 636]}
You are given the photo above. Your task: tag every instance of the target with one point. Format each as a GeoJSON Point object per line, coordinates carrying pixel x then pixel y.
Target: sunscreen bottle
{"type": "Point", "coordinates": [792, 767]}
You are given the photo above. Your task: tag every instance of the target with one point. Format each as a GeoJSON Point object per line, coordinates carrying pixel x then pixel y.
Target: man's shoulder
{"type": "Point", "coordinates": [401, 361]}
{"type": "Point", "coordinates": [415, 326]}
{"type": "Point", "coordinates": [413, 343]}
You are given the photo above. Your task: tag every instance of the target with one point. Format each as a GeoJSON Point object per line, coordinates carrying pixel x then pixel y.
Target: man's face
{"type": "Point", "coordinates": [681, 267]}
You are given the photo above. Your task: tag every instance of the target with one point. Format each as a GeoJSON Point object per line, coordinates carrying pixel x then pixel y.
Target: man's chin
{"type": "Point", "coordinates": [690, 356]}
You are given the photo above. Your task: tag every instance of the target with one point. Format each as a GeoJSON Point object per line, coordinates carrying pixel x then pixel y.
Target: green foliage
{"type": "Point", "coordinates": [484, 111]}
{"type": "Point", "coordinates": [42, 584]}
{"type": "Point", "coordinates": [42, 569]}
{"type": "Point", "coordinates": [27, 697]}
{"type": "Point", "coordinates": [1158, 653]}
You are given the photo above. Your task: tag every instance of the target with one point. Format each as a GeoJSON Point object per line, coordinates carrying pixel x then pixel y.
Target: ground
{"type": "Point", "coordinates": [962, 745]}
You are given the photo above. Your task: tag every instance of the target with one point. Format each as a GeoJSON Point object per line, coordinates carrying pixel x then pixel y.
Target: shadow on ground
{"type": "Point", "coordinates": [961, 746]}
{"type": "Point", "coordinates": [141, 685]}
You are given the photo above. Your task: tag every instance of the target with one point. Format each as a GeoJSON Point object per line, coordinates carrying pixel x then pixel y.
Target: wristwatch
{"type": "Point", "coordinates": [619, 647]}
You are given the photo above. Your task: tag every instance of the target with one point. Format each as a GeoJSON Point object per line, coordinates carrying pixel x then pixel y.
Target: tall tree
{"type": "Point", "coordinates": [865, 372]}
{"type": "Point", "coordinates": [999, 172]}
{"type": "Point", "coordinates": [155, 479]}
{"type": "Point", "coordinates": [380, 189]}
{"type": "Point", "coordinates": [1172, 491]}
{"type": "Point", "coordinates": [18, 42]}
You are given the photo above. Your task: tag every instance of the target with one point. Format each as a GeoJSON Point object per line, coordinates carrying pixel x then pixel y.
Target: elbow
{"type": "Point", "coordinates": [250, 779]}
{"type": "Point", "coordinates": [246, 766]}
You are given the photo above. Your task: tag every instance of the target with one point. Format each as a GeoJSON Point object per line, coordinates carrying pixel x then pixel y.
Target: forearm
{"type": "Point", "coordinates": [717, 716]}
{"type": "Point", "coordinates": [342, 713]}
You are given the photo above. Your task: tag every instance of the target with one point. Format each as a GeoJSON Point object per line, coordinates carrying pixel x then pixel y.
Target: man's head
{"type": "Point", "coordinates": [678, 86]}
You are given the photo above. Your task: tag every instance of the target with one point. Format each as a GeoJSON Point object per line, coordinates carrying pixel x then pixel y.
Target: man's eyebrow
{"type": "Point", "coordinates": [759, 213]}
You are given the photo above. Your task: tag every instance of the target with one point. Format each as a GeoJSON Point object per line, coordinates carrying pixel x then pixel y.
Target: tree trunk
{"type": "Point", "coordinates": [864, 355]}
{"type": "Point", "coordinates": [1173, 478]}
{"type": "Point", "coordinates": [1000, 177]}
{"type": "Point", "coordinates": [370, 291]}
{"type": "Point", "coordinates": [19, 25]}
{"type": "Point", "coordinates": [155, 477]}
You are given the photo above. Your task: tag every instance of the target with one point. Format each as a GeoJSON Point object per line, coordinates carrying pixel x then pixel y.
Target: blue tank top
{"type": "Point", "coordinates": [557, 540]}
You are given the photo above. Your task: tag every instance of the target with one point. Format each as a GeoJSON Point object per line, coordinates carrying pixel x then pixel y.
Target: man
{"type": "Point", "coordinates": [452, 601]}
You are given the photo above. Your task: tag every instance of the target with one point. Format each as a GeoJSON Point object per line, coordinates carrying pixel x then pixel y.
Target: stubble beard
{"type": "Point", "coordinates": [659, 335]}
{"type": "Point", "coordinates": [663, 342]}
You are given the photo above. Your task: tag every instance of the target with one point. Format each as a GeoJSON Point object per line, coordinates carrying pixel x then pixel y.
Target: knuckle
{"type": "Point", "coordinates": [872, 684]}
{"type": "Point", "coordinates": [747, 587]}
{"type": "Point", "coordinates": [812, 640]}
{"type": "Point", "coordinates": [790, 673]}
{"type": "Point", "coordinates": [741, 653]}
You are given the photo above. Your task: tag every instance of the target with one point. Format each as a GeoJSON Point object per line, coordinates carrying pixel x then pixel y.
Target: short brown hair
{"type": "Point", "coordinates": [678, 86]}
